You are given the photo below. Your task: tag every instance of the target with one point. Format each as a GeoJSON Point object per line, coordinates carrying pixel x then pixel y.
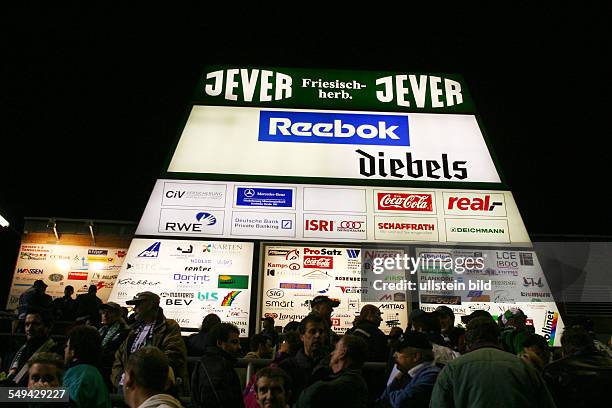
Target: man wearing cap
{"type": "Point", "coordinates": [367, 326]}
{"type": "Point", "coordinates": [152, 329]}
{"type": "Point", "coordinates": [113, 332]}
{"type": "Point", "coordinates": [414, 359]}
{"type": "Point", "coordinates": [33, 298]}
{"type": "Point", "coordinates": [324, 306]}
{"type": "Point", "coordinates": [515, 331]}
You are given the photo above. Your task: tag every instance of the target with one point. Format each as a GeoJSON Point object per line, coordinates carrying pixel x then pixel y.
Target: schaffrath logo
{"type": "Point", "coordinates": [405, 202]}
{"type": "Point", "coordinates": [323, 262]}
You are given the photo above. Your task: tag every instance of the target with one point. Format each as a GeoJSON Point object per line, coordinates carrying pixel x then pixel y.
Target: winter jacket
{"type": "Point", "coordinates": [86, 387]}
{"type": "Point", "coordinates": [345, 389]}
{"type": "Point", "coordinates": [304, 370]}
{"type": "Point", "coordinates": [214, 383]}
{"type": "Point", "coordinates": [411, 392]}
{"type": "Point", "coordinates": [377, 341]}
{"type": "Point", "coordinates": [167, 338]}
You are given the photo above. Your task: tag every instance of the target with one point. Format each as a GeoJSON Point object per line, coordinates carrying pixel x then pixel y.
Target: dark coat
{"type": "Point", "coordinates": [345, 389]}
{"type": "Point", "coordinates": [376, 339]}
{"type": "Point", "coordinates": [304, 370]}
{"type": "Point", "coordinates": [196, 344]}
{"type": "Point", "coordinates": [214, 383]}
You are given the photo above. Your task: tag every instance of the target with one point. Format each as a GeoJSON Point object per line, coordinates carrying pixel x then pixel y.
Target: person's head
{"type": "Point", "coordinates": [37, 324]}
{"type": "Point", "coordinates": [585, 322]}
{"type": "Point", "coordinates": [40, 286]}
{"type": "Point", "coordinates": [481, 331]}
{"type": "Point", "coordinates": [427, 323]}
{"type": "Point", "coordinates": [45, 370]}
{"type": "Point", "coordinates": [446, 316]}
{"type": "Point", "coordinates": [371, 314]}
{"type": "Point", "coordinates": [313, 333]}
{"type": "Point", "coordinates": [514, 317]}
{"type": "Point", "coordinates": [290, 342]}
{"type": "Point", "coordinates": [476, 313]}
{"type": "Point", "coordinates": [209, 321]}
{"type": "Point", "coordinates": [147, 371]}
{"type": "Point", "coordinates": [538, 345]}
{"type": "Point", "coordinates": [415, 314]}
{"type": "Point", "coordinates": [68, 291]}
{"type": "Point", "coordinates": [93, 289]}
{"type": "Point", "coordinates": [268, 323]}
{"type": "Point", "coordinates": [412, 349]}
{"type": "Point", "coordinates": [226, 336]}
{"type": "Point", "coordinates": [324, 306]}
{"type": "Point", "coordinates": [292, 326]}
{"type": "Point", "coordinates": [576, 339]}
{"type": "Point", "coordinates": [84, 345]}
{"type": "Point", "coordinates": [350, 352]}
{"type": "Point", "coordinates": [272, 387]}
{"type": "Point", "coordinates": [262, 345]}
{"type": "Point", "coordinates": [110, 312]}
{"type": "Point", "coordinates": [395, 333]}
{"type": "Point", "coordinates": [146, 306]}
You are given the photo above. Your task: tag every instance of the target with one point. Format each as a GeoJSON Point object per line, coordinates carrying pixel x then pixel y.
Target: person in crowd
{"type": "Point", "coordinates": [583, 376]}
{"type": "Point", "coordinates": [196, 343]}
{"type": "Point", "coordinates": [291, 326]}
{"type": "Point", "coordinates": [345, 386]}
{"type": "Point", "coordinates": [367, 326]}
{"type": "Point", "coordinates": [88, 306]}
{"type": "Point", "coordinates": [290, 344]}
{"type": "Point", "coordinates": [413, 386]}
{"type": "Point", "coordinates": [82, 379]}
{"type": "Point", "coordinates": [476, 313]}
{"type": "Point", "coordinates": [64, 308]}
{"type": "Point", "coordinates": [310, 362]}
{"type": "Point", "coordinates": [261, 347]}
{"type": "Point", "coordinates": [487, 376]}
{"type": "Point", "coordinates": [46, 370]}
{"type": "Point", "coordinates": [429, 324]}
{"type": "Point", "coordinates": [38, 325]}
{"type": "Point", "coordinates": [514, 331]}
{"type": "Point", "coordinates": [589, 326]}
{"type": "Point", "coordinates": [214, 383]}
{"type": "Point", "coordinates": [147, 375]}
{"type": "Point", "coordinates": [269, 331]}
{"type": "Point", "coordinates": [113, 332]}
{"type": "Point", "coordinates": [153, 329]}
{"type": "Point", "coordinates": [34, 298]}
{"type": "Point", "coordinates": [272, 387]}
{"type": "Point", "coordinates": [324, 307]}
{"type": "Point", "coordinates": [535, 351]}
{"type": "Point", "coordinates": [454, 336]}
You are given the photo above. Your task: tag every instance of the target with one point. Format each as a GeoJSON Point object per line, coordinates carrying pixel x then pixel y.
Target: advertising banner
{"type": "Point", "coordinates": [293, 275]}
{"type": "Point", "coordinates": [331, 213]}
{"type": "Point", "coordinates": [62, 265]}
{"type": "Point", "coordinates": [192, 278]}
{"type": "Point", "coordinates": [334, 144]}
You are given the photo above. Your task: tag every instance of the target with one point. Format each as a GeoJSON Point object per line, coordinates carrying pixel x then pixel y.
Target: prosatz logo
{"type": "Point", "coordinates": [412, 202]}
{"type": "Point", "coordinates": [333, 128]}
{"type": "Point", "coordinates": [473, 203]}
{"type": "Point", "coordinates": [151, 252]}
{"type": "Point", "coordinates": [411, 168]}
{"type": "Point", "coordinates": [322, 251]}
{"type": "Point", "coordinates": [323, 262]}
{"type": "Point", "coordinates": [241, 84]}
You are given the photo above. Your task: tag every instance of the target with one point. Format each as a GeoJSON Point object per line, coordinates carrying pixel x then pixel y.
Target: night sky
{"type": "Point", "coordinates": [93, 98]}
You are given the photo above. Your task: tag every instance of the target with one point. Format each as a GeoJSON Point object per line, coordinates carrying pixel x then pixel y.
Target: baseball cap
{"type": "Point", "coordinates": [414, 339]}
{"type": "Point", "coordinates": [324, 299]}
{"type": "Point", "coordinates": [475, 314]}
{"type": "Point", "coordinates": [111, 306]}
{"type": "Point", "coordinates": [445, 310]}
{"type": "Point", "coordinates": [143, 296]}
{"type": "Point", "coordinates": [39, 283]}
{"type": "Point", "coordinates": [512, 313]}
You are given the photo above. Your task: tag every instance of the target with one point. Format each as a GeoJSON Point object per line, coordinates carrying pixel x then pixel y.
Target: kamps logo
{"type": "Point", "coordinates": [334, 128]}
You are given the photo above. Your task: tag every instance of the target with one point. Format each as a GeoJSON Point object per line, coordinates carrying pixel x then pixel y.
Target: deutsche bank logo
{"type": "Point", "coordinates": [333, 128]}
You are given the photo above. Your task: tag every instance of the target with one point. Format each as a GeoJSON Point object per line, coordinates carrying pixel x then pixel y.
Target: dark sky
{"type": "Point", "coordinates": [93, 97]}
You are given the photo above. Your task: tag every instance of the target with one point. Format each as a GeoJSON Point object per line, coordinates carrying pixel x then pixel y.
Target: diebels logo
{"type": "Point", "coordinates": [333, 128]}
{"type": "Point", "coordinates": [150, 252]}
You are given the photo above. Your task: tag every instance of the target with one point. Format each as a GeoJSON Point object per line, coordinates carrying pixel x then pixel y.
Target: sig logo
{"type": "Point", "coordinates": [242, 84]}
{"type": "Point", "coordinates": [151, 252]}
{"type": "Point", "coordinates": [333, 128]}
{"type": "Point", "coordinates": [275, 293]}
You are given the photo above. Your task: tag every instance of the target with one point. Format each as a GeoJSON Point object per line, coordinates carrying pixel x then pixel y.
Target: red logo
{"type": "Point", "coordinates": [405, 202]}
{"type": "Point", "coordinates": [335, 321]}
{"type": "Point", "coordinates": [323, 262]}
{"type": "Point", "coordinates": [121, 254]}
{"type": "Point", "coordinates": [77, 275]}
{"type": "Point", "coordinates": [272, 315]}
{"type": "Point", "coordinates": [319, 225]}
{"type": "Point", "coordinates": [473, 204]}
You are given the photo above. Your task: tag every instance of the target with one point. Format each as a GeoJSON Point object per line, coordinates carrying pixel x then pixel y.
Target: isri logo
{"type": "Point", "coordinates": [334, 128]}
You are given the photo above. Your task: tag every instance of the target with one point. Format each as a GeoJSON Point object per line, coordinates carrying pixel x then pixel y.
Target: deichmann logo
{"type": "Point", "coordinates": [405, 202]}
{"type": "Point", "coordinates": [333, 128]}
{"type": "Point", "coordinates": [233, 282]}
{"type": "Point", "coordinates": [151, 252]}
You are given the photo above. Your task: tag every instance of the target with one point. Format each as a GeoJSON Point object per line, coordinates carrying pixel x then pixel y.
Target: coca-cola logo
{"type": "Point", "coordinates": [405, 202]}
{"type": "Point", "coordinates": [323, 262]}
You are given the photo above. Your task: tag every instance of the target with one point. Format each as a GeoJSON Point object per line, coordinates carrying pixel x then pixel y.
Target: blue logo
{"type": "Point", "coordinates": [264, 197]}
{"type": "Point", "coordinates": [333, 128]}
{"type": "Point", "coordinates": [353, 253]}
{"type": "Point", "coordinates": [206, 218]}
{"type": "Point", "coordinates": [150, 252]}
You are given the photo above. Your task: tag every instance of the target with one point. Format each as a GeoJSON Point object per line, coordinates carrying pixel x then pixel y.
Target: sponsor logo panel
{"type": "Point", "coordinates": [477, 230]}
{"type": "Point", "coordinates": [405, 228]}
{"type": "Point", "coordinates": [263, 224]}
{"type": "Point", "coordinates": [233, 282]}
{"type": "Point", "coordinates": [417, 202]}
{"type": "Point", "coordinates": [194, 222]}
{"type": "Point", "coordinates": [481, 204]}
{"type": "Point", "coordinates": [194, 195]}
{"type": "Point", "coordinates": [335, 226]}
{"type": "Point", "coordinates": [265, 197]}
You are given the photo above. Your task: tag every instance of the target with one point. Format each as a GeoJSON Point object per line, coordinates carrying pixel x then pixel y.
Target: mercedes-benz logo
{"type": "Point", "coordinates": [249, 192]}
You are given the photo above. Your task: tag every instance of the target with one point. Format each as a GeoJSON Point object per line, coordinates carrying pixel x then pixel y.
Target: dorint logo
{"type": "Point", "coordinates": [333, 128]}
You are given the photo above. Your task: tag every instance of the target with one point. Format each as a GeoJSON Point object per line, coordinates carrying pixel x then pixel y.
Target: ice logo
{"type": "Point", "coordinates": [206, 218]}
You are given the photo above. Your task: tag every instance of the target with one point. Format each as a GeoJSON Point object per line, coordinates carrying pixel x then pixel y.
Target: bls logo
{"type": "Point", "coordinates": [203, 218]}
{"type": "Point", "coordinates": [333, 128]}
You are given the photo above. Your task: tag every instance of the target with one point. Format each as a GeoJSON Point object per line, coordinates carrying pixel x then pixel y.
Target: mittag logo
{"type": "Point", "coordinates": [333, 128]}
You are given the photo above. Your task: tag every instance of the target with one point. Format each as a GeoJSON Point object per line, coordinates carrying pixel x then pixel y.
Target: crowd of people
{"type": "Point", "coordinates": [488, 361]}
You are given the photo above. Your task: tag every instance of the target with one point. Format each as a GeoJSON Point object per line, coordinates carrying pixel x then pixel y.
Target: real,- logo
{"type": "Point", "coordinates": [475, 203]}
{"type": "Point", "coordinates": [151, 252]}
{"type": "Point", "coordinates": [229, 298]}
{"type": "Point", "coordinates": [333, 128]}
{"type": "Point", "coordinates": [405, 202]}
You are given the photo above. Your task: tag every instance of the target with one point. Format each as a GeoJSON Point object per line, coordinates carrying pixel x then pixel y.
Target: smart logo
{"type": "Point", "coordinates": [333, 128]}
{"type": "Point", "coordinates": [150, 252]}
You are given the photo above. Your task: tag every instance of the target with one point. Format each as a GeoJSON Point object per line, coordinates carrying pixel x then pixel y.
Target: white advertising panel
{"type": "Point", "coordinates": [62, 265]}
{"type": "Point", "coordinates": [334, 144]}
{"type": "Point", "coordinates": [338, 213]}
{"type": "Point", "coordinates": [192, 278]}
{"type": "Point", "coordinates": [293, 275]}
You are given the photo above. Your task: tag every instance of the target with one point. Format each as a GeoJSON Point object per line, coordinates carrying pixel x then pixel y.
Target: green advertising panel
{"type": "Point", "coordinates": [233, 282]}
{"type": "Point", "coordinates": [333, 89]}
